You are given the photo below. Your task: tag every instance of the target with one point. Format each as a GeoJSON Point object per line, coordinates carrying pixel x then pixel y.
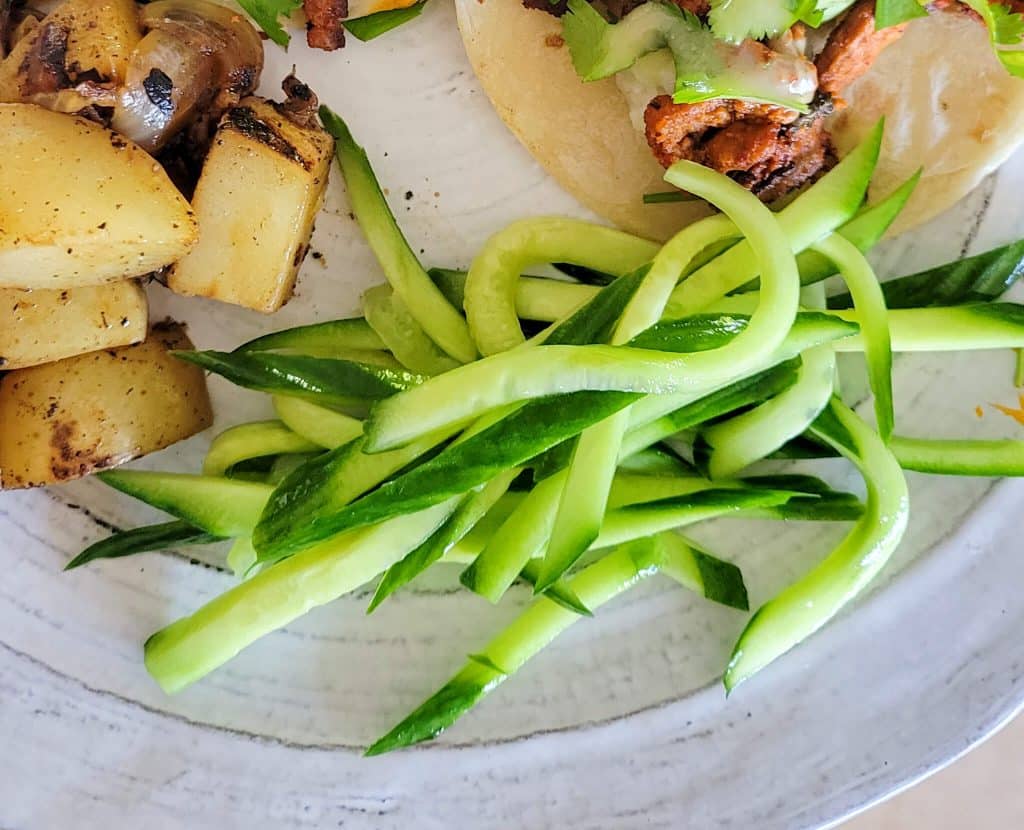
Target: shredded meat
{"type": "Point", "coordinates": [853, 47]}
{"type": "Point", "coordinates": [770, 150]}
{"type": "Point", "coordinates": [324, 29]}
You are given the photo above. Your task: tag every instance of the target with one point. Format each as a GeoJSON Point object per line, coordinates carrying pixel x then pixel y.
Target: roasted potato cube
{"type": "Point", "coordinates": [257, 199]}
{"type": "Point", "coordinates": [80, 39]}
{"type": "Point", "coordinates": [80, 205]}
{"type": "Point", "coordinates": [67, 419]}
{"type": "Point", "coordinates": [46, 325]}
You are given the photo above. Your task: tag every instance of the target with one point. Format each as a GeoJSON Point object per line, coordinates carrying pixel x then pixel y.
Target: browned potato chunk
{"type": "Point", "coordinates": [43, 326]}
{"type": "Point", "coordinates": [67, 419]}
{"type": "Point", "coordinates": [257, 199]}
{"type": "Point", "coordinates": [80, 205]}
{"type": "Point", "coordinates": [80, 39]}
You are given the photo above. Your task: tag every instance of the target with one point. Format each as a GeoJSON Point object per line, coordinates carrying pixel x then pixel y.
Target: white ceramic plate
{"type": "Point", "coordinates": [621, 722]}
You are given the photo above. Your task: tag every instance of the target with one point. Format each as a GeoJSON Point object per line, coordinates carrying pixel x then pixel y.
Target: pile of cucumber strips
{"type": "Point", "coordinates": [433, 430]}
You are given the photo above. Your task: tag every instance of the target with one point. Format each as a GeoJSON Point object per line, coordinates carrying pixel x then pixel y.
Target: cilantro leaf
{"type": "Point", "coordinates": [894, 12]}
{"type": "Point", "coordinates": [267, 14]}
{"type": "Point", "coordinates": [1005, 28]}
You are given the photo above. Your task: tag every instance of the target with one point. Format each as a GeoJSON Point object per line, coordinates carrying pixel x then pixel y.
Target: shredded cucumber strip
{"type": "Point", "coordinates": [223, 507]}
{"type": "Point", "coordinates": [962, 457]}
{"type": "Point", "coordinates": [176, 534]}
{"type": "Point", "coordinates": [494, 274]}
{"type": "Point", "coordinates": [827, 204]}
{"type": "Point", "coordinates": [470, 511]}
{"type": "Point", "coordinates": [292, 518]}
{"type": "Point", "coordinates": [242, 557]}
{"type": "Point", "coordinates": [745, 439]}
{"type": "Point", "coordinates": [192, 647]}
{"type": "Point", "coordinates": [254, 440]}
{"type": "Point", "coordinates": [805, 606]}
{"type": "Point", "coordinates": [322, 426]}
{"type": "Point", "coordinates": [354, 333]}
{"type": "Point", "coordinates": [424, 300]}
{"type": "Point", "coordinates": [391, 319]}
{"type": "Point", "coordinates": [873, 318]}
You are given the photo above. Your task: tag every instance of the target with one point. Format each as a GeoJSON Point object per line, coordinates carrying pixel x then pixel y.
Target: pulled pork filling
{"type": "Point", "coordinates": [324, 18]}
{"type": "Point", "coordinates": [771, 150]}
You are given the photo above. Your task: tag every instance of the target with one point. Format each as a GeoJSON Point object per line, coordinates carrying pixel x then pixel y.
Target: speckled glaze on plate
{"type": "Point", "coordinates": [620, 723]}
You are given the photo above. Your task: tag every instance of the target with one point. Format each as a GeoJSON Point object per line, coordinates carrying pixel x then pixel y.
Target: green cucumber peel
{"type": "Point", "coordinates": [559, 591]}
{"type": "Point", "coordinates": [352, 334]}
{"type": "Point", "coordinates": [829, 203]}
{"type": "Point", "coordinates": [535, 628]}
{"type": "Point", "coordinates": [864, 230]}
{"type": "Point", "coordinates": [374, 25]}
{"type": "Point", "coordinates": [705, 66]}
{"type": "Point", "coordinates": [402, 269]}
{"type": "Point", "coordinates": [471, 510]}
{"type": "Point", "coordinates": [253, 440]}
{"type": "Point", "coordinates": [634, 521]}
{"type": "Point", "coordinates": [317, 424]}
{"type": "Point", "coordinates": [303, 509]}
{"type": "Point", "coordinates": [389, 317]}
{"type": "Point", "coordinates": [490, 289]}
{"type": "Point", "coordinates": [321, 380]}
{"type": "Point", "coordinates": [143, 540]}
{"type": "Point", "coordinates": [655, 461]}
{"type": "Point", "coordinates": [697, 570]}
{"type": "Point", "coordinates": [976, 279]}
{"type": "Point", "coordinates": [806, 605]}
{"type": "Point", "coordinates": [222, 507]}
{"type": "Point", "coordinates": [192, 647]}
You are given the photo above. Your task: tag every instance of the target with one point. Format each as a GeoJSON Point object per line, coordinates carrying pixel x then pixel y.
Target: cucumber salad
{"type": "Point", "coordinates": [566, 431]}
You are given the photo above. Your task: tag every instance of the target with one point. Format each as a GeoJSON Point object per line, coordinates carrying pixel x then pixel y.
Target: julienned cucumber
{"type": "Point", "coordinates": [873, 317]}
{"type": "Point", "coordinates": [471, 509]}
{"type": "Point", "coordinates": [322, 487]}
{"type": "Point", "coordinates": [959, 457]}
{"type": "Point", "coordinates": [220, 506]}
{"type": "Point", "coordinates": [317, 424]}
{"type": "Point", "coordinates": [321, 380]}
{"type": "Point", "coordinates": [354, 333]}
{"type": "Point", "coordinates": [491, 283]}
{"type": "Point", "coordinates": [747, 438]}
{"type": "Point", "coordinates": [830, 202]}
{"type": "Point", "coordinates": [194, 646]}
{"type": "Point", "coordinates": [443, 323]}
{"type": "Point", "coordinates": [142, 540]}
{"type": "Point", "coordinates": [802, 608]}
{"type": "Point", "coordinates": [391, 319]}
{"type": "Point", "coordinates": [254, 440]}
